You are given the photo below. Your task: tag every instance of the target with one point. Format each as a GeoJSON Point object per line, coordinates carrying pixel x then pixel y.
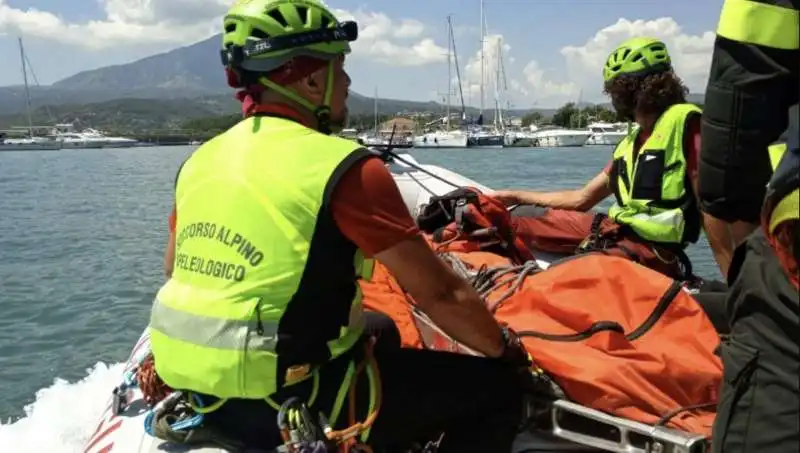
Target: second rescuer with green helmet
{"type": "Point", "coordinates": [276, 223]}
{"type": "Point", "coordinates": [651, 172]}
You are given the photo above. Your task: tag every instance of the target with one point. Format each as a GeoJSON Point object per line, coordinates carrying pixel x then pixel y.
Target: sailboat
{"type": "Point", "coordinates": [381, 138]}
{"type": "Point", "coordinates": [446, 137]}
{"type": "Point", "coordinates": [372, 139]}
{"type": "Point", "coordinates": [479, 136]}
{"type": "Point", "coordinates": [31, 142]}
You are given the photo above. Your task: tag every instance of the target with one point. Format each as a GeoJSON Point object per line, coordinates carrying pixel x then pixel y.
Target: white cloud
{"type": "Point", "coordinates": [409, 28]}
{"type": "Point", "coordinates": [691, 56]}
{"type": "Point", "coordinates": [127, 23]}
{"type": "Point", "coordinates": [180, 22]}
{"type": "Point", "coordinates": [534, 84]}
{"type": "Point", "coordinates": [545, 88]}
{"type": "Point", "coordinates": [494, 48]}
{"type": "Point", "coordinates": [378, 37]}
{"type": "Point", "coordinates": [150, 12]}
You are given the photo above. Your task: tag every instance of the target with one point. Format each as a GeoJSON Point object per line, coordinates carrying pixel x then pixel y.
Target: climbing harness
{"type": "Point", "coordinates": [596, 241]}
{"type": "Point", "coordinates": [302, 433]}
{"type": "Point", "coordinates": [600, 241]}
{"type": "Point", "coordinates": [299, 431]}
{"type": "Point", "coordinates": [179, 418]}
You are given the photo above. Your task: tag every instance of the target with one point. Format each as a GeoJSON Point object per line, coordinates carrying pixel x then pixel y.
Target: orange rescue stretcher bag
{"type": "Point", "coordinates": [621, 338]}
{"type": "Point", "coordinates": [616, 336]}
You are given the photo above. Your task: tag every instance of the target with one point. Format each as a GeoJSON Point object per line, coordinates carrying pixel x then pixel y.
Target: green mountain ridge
{"type": "Point", "coordinates": [161, 90]}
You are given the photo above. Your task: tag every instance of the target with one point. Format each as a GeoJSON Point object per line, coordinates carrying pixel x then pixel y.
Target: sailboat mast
{"type": "Point", "coordinates": [375, 111]}
{"type": "Point", "coordinates": [27, 89]}
{"type": "Point", "coordinates": [458, 74]}
{"type": "Point", "coordinates": [498, 114]}
{"type": "Point", "coordinates": [449, 68]}
{"type": "Point", "coordinates": [483, 76]}
{"type": "Point", "coordinates": [505, 86]}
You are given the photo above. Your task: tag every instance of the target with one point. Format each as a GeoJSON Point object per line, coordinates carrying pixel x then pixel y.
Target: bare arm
{"type": "Point", "coordinates": [582, 199]}
{"type": "Point", "coordinates": [169, 251]}
{"type": "Point", "coordinates": [449, 300]}
{"type": "Point", "coordinates": [169, 255]}
{"type": "Point", "coordinates": [723, 237]}
{"type": "Point", "coordinates": [369, 210]}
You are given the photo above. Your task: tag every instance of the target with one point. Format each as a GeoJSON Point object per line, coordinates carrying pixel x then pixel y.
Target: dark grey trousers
{"type": "Point", "coordinates": [759, 408]}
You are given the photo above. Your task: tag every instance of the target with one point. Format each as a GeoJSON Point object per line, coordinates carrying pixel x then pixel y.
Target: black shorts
{"type": "Point", "coordinates": [476, 401]}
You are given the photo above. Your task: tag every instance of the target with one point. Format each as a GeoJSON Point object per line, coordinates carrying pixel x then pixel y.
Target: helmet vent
{"type": "Point", "coordinates": [325, 22]}
{"type": "Point", "coordinates": [637, 57]}
{"type": "Point", "coordinates": [302, 11]}
{"type": "Point", "coordinates": [260, 34]}
{"type": "Point", "coordinates": [230, 28]}
{"type": "Point", "coordinates": [657, 48]}
{"type": "Point", "coordinates": [625, 53]}
{"type": "Point", "coordinates": [275, 14]}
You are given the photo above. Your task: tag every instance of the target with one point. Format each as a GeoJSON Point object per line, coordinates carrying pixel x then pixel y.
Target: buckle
{"type": "Point", "coordinates": [296, 373]}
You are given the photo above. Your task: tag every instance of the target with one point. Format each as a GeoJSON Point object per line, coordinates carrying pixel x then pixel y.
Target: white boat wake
{"type": "Point", "coordinates": [62, 417]}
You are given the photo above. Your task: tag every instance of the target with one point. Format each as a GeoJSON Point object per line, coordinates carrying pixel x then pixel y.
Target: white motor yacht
{"type": "Point", "coordinates": [606, 133]}
{"type": "Point", "coordinates": [558, 137]}
{"type": "Point", "coordinates": [74, 140]}
{"type": "Point", "coordinates": [29, 144]}
{"type": "Point", "coordinates": [109, 141]}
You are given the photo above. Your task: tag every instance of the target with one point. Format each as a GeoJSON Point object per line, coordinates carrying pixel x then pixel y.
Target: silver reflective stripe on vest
{"type": "Point", "coordinates": [211, 332]}
{"type": "Point", "coordinates": [672, 218]}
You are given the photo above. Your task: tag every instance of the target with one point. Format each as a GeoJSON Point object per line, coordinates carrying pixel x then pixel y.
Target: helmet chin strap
{"type": "Point", "coordinates": [321, 112]}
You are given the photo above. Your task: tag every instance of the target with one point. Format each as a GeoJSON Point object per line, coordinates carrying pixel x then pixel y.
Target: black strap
{"type": "Point", "coordinates": [236, 55]}
{"type": "Point", "coordinates": [595, 241]}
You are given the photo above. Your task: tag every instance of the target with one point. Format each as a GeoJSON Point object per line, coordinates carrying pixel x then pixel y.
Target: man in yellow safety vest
{"type": "Point", "coordinates": [276, 222]}
{"type": "Point", "coordinates": [651, 172]}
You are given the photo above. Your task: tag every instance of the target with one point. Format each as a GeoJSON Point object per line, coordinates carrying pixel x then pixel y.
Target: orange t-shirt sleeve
{"type": "Point", "coordinates": [369, 210]}
{"type": "Point", "coordinates": [692, 144]}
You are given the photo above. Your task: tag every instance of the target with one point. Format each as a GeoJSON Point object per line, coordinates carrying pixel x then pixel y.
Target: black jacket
{"type": "Point", "coordinates": [751, 88]}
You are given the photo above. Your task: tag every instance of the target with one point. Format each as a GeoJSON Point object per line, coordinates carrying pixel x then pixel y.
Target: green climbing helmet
{"type": "Point", "coordinates": [637, 56]}
{"type": "Point", "coordinates": [263, 35]}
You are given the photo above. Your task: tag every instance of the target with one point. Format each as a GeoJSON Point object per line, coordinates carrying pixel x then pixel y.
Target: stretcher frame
{"type": "Point", "coordinates": [568, 420]}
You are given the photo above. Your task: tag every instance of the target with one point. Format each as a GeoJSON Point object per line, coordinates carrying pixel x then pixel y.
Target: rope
{"type": "Point", "coordinates": [153, 388]}
{"type": "Point", "coordinates": [301, 432]}
{"type": "Point", "coordinates": [346, 438]}
{"type": "Point", "coordinates": [416, 167]}
{"type": "Point", "coordinates": [487, 280]}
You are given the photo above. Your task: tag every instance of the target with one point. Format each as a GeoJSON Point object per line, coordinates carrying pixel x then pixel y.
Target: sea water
{"type": "Point", "coordinates": [82, 235]}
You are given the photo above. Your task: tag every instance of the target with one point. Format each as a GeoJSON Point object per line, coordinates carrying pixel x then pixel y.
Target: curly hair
{"type": "Point", "coordinates": [651, 94]}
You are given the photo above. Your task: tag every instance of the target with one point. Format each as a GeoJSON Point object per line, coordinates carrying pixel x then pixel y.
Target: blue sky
{"type": "Point", "coordinates": [553, 49]}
